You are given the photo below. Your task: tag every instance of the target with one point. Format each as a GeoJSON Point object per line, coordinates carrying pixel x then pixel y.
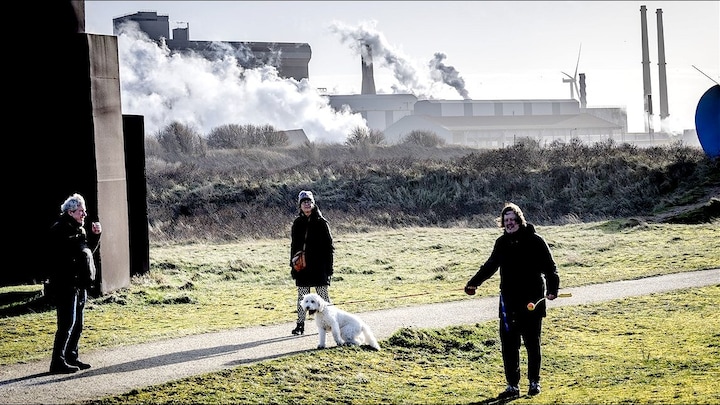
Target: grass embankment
{"type": "Point", "coordinates": [657, 349]}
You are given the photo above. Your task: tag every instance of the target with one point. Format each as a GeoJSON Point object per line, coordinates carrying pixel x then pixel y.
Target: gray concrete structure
{"type": "Point", "coordinates": [501, 131]}
{"type": "Point", "coordinates": [484, 123]}
{"type": "Point", "coordinates": [290, 58]}
{"type": "Point", "coordinates": [109, 158]}
{"type": "Point", "coordinates": [379, 110]}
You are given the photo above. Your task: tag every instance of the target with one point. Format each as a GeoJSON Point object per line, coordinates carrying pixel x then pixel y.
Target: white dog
{"type": "Point", "coordinates": [346, 328]}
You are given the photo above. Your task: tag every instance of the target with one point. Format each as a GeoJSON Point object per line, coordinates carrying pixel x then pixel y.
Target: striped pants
{"type": "Point", "coordinates": [321, 290]}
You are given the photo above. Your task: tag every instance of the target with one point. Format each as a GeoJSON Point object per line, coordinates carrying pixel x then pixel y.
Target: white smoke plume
{"type": "Point", "coordinates": [425, 81]}
{"type": "Point", "coordinates": [165, 87]}
{"type": "Point", "coordinates": [447, 75]}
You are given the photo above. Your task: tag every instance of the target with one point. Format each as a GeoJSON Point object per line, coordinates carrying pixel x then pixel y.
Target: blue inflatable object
{"type": "Point", "coordinates": [707, 121]}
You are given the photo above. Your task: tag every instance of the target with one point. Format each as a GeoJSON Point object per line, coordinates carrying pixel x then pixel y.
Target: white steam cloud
{"type": "Point", "coordinates": [426, 81]}
{"type": "Point", "coordinates": [165, 87]}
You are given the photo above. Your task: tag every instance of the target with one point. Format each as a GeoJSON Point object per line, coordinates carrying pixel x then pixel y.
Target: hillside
{"type": "Point", "coordinates": [251, 193]}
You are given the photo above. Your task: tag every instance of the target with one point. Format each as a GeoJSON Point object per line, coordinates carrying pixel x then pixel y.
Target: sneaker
{"type": "Point", "coordinates": [534, 388]}
{"type": "Point", "coordinates": [510, 392]}
{"type": "Point", "coordinates": [79, 364]}
{"type": "Point", "coordinates": [62, 368]}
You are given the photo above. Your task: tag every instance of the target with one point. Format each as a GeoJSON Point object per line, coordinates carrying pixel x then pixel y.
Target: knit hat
{"type": "Point", "coordinates": [306, 195]}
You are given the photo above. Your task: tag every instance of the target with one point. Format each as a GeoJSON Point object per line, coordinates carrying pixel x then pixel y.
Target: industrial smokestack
{"type": "Point", "coordinates": [368, 80]}
{"type": "Point", "coordinates": [583, 98]}
{"type": "Point", "coordinates": [661, 67]}
{"type": "Point", "coordinates": [647, 94]}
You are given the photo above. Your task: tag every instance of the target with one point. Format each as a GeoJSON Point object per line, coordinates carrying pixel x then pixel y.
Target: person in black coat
{"type": "Point", "coordinates": [528, 274]}
{"type": "Point", "coordinates": [73, 273]}
{"type": "Point", "coordinates": [310, 233]}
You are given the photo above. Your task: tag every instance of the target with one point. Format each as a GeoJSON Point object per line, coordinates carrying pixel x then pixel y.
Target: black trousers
{"type": "Point", "coordinates": [70, 303]}
{"type": "Point", "coordinates": [528, 327]}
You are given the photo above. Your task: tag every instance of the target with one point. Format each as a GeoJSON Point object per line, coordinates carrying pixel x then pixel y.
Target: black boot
{"type": "Point", "coordinates": [61, 367]}
{"type": "Point", "coordinates": [299, 329]}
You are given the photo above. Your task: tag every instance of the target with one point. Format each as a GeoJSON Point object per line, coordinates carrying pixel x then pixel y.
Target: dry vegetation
{"type": "Point", "coordinates": [232, 194]}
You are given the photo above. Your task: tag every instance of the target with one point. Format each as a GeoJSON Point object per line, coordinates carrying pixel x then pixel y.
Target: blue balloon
{"type": "Point", "coordinates": [707, 121]}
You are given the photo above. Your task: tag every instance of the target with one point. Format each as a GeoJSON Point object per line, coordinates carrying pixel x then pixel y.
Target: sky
{"type": "Point", "coordinates": [481, 50]}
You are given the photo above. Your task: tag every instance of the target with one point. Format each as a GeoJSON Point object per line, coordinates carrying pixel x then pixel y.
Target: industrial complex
{"type": "Point", "coordinates": [478, 123]}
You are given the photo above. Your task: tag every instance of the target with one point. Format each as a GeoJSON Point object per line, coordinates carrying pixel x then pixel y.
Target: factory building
{"type": "Point", "coordinates": [290, 59]}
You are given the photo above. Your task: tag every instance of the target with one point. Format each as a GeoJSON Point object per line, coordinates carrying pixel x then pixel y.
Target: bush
{"type": "Point", "coordinates": [237, 193]}
{"type": "Point", "coordinates": [362, 136]}
{"type": "Point", "coordinates": [235, 136]}
{"type": "Point", "coordinates": [180, 139]}
{"type": "Point", "coordinates": [423, 138]}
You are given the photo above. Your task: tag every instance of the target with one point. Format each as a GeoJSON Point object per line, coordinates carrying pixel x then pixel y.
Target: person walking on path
{"type": "Point", "coordinates": [528, 276]}
{"type": "Point", "coordinates": [73, 273]}
{"type": "Point", "coordinates": [311, 234]}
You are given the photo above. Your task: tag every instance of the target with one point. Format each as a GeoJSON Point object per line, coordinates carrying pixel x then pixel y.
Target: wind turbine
{"type": "Point", "coordinates": [573, 79]}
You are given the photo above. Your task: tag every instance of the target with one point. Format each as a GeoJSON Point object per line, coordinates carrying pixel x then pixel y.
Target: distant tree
{"type": "Point", "coordinates": [152, 146]}
{"type": "Point", "coordinates": [277, 138]}
{"type": "Point", "coordinates": [233, 136]}
{"type": "Point", "coordinates": [362, 135]}
{"type": "Point", "coordinates": [229, 136]}
{"type": "Point", "coordinates": [180, 139]}
{"type": "Point", "coordinates": [423, 138]}
{"type": "Point", "coordinates": [259, 135]}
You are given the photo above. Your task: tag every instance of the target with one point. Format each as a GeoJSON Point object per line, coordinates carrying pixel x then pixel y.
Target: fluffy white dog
{"type": "Point", "coordinates": [346, 328]}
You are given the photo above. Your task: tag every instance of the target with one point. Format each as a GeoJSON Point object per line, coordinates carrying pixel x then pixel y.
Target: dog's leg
{"type": "Point", "coordinates": [321, 337]}
{"type": "Point", "coordinates": [336, 333]}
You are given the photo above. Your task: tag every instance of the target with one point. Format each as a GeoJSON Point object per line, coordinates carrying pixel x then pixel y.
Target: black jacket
{"type": "Point", "coordinates": [527, 270]}
{"type": "Point", "coordinates": [66, 261]}
{"type": "Point", "coordinates": [319, 249]}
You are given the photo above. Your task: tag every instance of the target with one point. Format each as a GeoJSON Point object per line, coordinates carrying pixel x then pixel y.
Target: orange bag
{"type": "Point", "coordinates": [298, 260]}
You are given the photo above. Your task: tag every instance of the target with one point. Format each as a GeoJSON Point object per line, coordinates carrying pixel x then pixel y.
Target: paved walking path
{"type": "Point", "coordinates": [121, 369]}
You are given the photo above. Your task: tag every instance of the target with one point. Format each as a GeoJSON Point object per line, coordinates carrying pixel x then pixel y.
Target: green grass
{"type": "Point", "coordinates": [199, 288]}
{"type": "Point", "coordinates": [657, 349]}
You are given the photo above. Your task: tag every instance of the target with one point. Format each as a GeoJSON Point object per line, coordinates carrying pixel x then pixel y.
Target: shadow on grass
{"type": "Point", "coordinates": [497, 401]}
{"type": "Point", "coordinates": [15, 303]}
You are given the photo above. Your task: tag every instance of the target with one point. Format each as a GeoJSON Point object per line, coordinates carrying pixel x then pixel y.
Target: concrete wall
{"type": "Point", "coordinates": [107, 136]}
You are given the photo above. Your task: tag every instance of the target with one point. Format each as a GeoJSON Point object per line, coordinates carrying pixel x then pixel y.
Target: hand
{"type": "Point", "coordinates": [96, 228]}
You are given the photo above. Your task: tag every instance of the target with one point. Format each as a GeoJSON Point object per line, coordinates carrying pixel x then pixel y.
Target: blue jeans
{"type": "Point", "coordinates": [70, 303]}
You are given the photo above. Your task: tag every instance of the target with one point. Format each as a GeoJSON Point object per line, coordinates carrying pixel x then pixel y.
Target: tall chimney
{"type": "Point", "coordinates": [368, 81]}
{"type": "Point", "coordinates": [661, 67]}
{"type": "Point", "coordinates": [583, 95]}
{"type": "Point", "coordinates": [647, 96]}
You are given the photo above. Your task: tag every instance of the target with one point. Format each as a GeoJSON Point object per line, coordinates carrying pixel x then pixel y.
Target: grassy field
{"type": "Point", "coordinates": [659, 349]}
{"type": "Point", "coordinates": [620, 353]}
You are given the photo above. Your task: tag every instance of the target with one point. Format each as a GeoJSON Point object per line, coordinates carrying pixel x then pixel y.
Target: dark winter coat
{"type": "Point", "coordinates": [67, 261]}
{"type": "Point", "coordinates": [527, 271]}
{"type": "Point", "coordinates": [319, 249]}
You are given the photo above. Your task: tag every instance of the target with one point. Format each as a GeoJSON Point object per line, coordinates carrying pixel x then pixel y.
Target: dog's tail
{"type": "Point", "coordinates": [370, 337]}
